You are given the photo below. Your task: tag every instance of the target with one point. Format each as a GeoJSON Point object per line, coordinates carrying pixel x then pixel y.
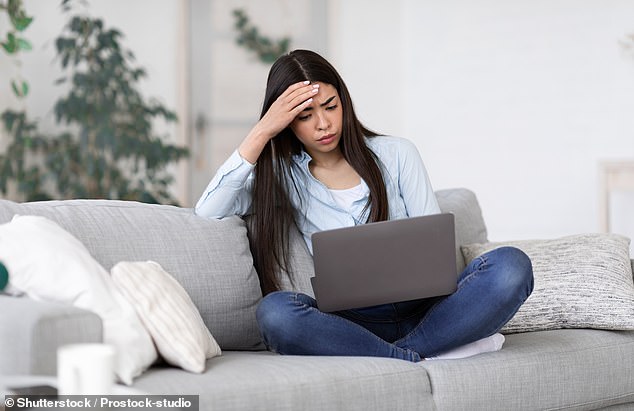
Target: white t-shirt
{"type": "Point", "coordinates": [345, 198]}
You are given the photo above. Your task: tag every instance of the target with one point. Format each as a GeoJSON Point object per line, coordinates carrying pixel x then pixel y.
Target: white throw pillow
{"type": "Point", "coordinates": [48, 263]}
{"type": "Point", "coordinates": [168, 313]}
{"type": "Point", "coordinates": [581, 281]}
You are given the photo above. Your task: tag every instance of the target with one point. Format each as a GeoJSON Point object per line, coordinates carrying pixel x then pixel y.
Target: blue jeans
{"type": "Point", "coordinates": [490, 291]}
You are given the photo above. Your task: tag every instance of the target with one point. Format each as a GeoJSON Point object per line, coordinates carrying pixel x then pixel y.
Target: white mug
{"type": "Point", "coordinates": [85, 369]}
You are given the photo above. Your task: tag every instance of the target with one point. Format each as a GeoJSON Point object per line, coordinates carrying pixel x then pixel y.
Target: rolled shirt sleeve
{"type": "Point", "coordinates": [229, 191]}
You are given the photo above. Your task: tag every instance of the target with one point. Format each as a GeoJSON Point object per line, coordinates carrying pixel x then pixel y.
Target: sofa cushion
{"type": "Point", "coordinates": [581, 281]}
{"type": "Point", "coordinates": [544, 370]}
{"type": "Point", "coordinates": [266, 381]}
{"type": "Point", "coordinates": [301, 266]}
{"type": "Point", "coordinates": [209, 258]}
{"type": "Point", "coordinates": [470, 227]}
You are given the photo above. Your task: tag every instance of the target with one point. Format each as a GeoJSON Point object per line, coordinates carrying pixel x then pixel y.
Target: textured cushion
{"type": "Point", "coordinates": [209, 258]}
{"type": "Point", "coordinates": [581, 281]}
{"type": "Point", "coordinates": [47, 263]}
{"type": "Point", "coordinates": [168, 314]}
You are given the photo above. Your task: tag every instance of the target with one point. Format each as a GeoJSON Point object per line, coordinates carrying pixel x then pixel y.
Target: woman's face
{"type": "Point", "coordinates": [318, 127]}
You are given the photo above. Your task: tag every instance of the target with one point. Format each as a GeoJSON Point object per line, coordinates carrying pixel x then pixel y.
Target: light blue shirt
{"type": "Point", "coordinates": [409, 191]}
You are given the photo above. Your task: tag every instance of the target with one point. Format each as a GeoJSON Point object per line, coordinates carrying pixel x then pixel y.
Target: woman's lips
{"type": "Point", "coordinates": [327, 139]}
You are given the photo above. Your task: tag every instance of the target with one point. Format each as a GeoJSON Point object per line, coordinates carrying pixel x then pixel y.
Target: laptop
{"type": "Point", "coordinates": [385, 262]}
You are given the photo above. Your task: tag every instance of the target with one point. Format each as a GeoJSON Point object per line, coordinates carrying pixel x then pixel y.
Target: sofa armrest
{"type": "Point", "coordinates": [31, 331]}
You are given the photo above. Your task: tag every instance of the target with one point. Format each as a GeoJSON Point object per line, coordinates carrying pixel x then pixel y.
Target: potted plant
{"type": "Point", "coordinates": [111, 149]}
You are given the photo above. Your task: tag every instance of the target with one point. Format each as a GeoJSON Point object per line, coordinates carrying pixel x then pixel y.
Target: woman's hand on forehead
{"type": "Point", "coordinates": [288, 105]}
{"type": "Point", "coordinates": [282, 112]}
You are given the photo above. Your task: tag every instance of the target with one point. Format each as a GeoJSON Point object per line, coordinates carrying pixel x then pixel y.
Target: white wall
{"type": "Point", "coordinates": [365, 46]}
{"type": "Point", "coordinates": [516, 100]}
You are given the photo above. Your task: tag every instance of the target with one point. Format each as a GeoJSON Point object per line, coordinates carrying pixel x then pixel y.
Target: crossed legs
{"type": "Point", "coordinates": [490, 291]}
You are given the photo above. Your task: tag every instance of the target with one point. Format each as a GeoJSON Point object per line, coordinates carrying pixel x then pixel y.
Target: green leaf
{"type": "Point", "coordinates": [11, 45]}
{"type": "Point", "coordinates": [25, 89]}
{"type": "Point", "coordinates": [59, 44]}
{"type": "Point", "coordinates": [15, 88]}
{"type": "Point", "coordinates": [24, 45]}
{"type": "Point", "coordinates": [8, 48]}
{"type": "Point", "coordinates": [9, 118]}
{"type": "Point", "coordinates": [76, 24]}
{"type": "Point", "coordinates": [65, 60]}
{"type": "Point", "coordinates": [21, 23]}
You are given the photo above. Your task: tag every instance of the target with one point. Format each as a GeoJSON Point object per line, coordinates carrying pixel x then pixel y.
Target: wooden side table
{"type": "Point", "coordinates": [613, 176]}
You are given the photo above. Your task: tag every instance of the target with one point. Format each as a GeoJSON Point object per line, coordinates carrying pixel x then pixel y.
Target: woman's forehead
{"type": "Point", "coordinates": [326, 91]}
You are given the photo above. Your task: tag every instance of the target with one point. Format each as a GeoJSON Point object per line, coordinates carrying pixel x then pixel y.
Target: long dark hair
{"type": "Point", "coordinates": [273, 213]}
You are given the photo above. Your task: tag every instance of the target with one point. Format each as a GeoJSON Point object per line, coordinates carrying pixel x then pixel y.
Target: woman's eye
{"type": "Point", "coordinates": [331, 107]}
{"type": "Point", "coordinates": [303, 118]}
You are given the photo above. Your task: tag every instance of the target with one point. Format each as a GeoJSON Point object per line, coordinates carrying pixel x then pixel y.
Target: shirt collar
{"type": "Point", "coordinates": [302, 158]}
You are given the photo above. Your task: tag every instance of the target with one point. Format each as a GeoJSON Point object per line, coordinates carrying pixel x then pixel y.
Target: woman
{"type": "Point", "coordinates": [310, 162]}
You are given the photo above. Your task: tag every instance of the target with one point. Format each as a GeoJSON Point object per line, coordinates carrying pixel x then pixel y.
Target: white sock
{"type": "Point", "coordinates": [488, 344]}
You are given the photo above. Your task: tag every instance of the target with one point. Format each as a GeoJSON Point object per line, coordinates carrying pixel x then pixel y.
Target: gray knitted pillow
{"type": "Point", "coordinates": [581, 281]}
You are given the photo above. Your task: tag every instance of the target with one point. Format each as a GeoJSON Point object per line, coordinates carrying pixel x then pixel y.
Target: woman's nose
{"type": "Point", "coordinates": [322, 121]}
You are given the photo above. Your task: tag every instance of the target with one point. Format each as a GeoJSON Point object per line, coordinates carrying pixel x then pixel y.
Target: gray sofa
{"type": "Point", "coordinates": [579, 369]}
